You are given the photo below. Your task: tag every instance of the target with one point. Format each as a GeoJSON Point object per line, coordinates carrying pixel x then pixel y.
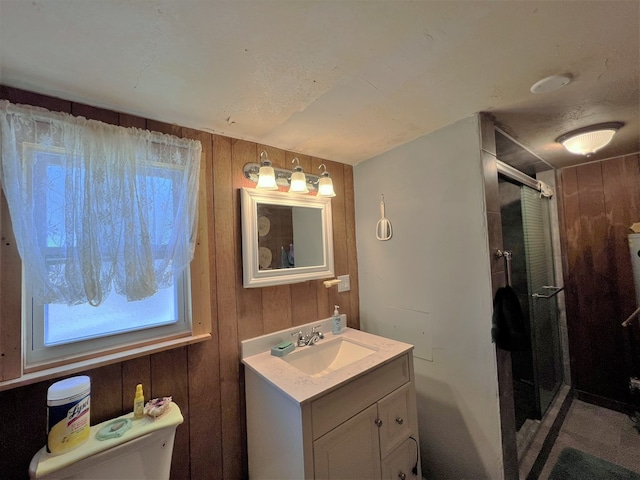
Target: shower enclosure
{"type": "Point", "coordinates": [526, 234]}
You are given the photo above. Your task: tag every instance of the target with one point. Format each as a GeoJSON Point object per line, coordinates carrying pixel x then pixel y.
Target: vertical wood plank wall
{"type": "Point", "coordinates": [205, 379]}
{"type": "Point", "coordinates": [600, 201]}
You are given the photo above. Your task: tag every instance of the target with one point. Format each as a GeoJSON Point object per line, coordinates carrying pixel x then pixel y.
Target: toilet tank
{"type": "Point", "coordinates": [142, 452]}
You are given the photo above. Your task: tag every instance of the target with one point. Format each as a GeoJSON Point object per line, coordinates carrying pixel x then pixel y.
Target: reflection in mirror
{"type": "Point", "coordinates": [285, 238]}
{"type": "Point", "coordinates": [289, 237]}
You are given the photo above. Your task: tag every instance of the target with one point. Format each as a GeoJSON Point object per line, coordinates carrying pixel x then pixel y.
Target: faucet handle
{"type": "Point", "coordinates": [315, 330]}
{"type": "Point", "coordinates": [300, 338]}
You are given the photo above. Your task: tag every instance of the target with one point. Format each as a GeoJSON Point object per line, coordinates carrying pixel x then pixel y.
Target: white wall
{"type": "Point", "coordinates": [430, 285]}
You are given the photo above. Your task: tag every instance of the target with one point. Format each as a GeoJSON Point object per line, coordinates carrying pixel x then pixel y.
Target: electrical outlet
{"type": "Point", "coordinates": [345, 283]}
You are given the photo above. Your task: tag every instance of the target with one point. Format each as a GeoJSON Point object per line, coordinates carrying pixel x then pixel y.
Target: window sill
{"type": "Point", "coordinates": [95, 362]}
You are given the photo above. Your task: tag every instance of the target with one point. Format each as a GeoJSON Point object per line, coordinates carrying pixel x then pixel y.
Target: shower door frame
{"type": "Point", "coordinates": [518, 177]}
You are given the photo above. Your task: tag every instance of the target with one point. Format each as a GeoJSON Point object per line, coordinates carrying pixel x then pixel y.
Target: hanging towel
{"type": "Point", "coordinates": [508, 331]}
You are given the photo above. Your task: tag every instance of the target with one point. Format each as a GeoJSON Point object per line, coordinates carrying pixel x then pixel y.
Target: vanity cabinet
{"type": "Point", "coordinates": [364, 428]}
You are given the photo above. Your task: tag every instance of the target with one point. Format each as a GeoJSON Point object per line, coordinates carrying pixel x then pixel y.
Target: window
{"type": "Point", "coordinates": [105, 220]}
{"type": "Point", "coordinates": [56, 330]}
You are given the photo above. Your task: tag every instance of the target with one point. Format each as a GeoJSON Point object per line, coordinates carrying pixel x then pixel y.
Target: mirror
{"type": "Point", "coordinates": [286, 238]}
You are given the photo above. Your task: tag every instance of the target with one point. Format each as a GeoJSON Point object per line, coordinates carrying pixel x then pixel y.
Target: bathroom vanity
{"type": "Point", "coordinates": [343, 408]}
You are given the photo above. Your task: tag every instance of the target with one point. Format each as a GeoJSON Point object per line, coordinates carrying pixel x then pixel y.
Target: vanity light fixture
{"type": "Point", "coordinates": [266, 175]}
{"type": "Point", "coordinates": [325, 184]}
{"type": "Point", "coordinates": [588, 140]}
{"type": "Point", "coordinates": [298, 179]}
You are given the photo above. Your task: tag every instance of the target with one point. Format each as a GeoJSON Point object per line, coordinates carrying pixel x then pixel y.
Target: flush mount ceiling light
{"type": "Point", "coordinates": [550, 84]}
{"type": "Point", "coordinates": [588, 140]}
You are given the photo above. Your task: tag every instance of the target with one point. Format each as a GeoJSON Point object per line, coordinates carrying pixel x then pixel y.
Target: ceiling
{"type": "Point", "coordinates": [342, 80]}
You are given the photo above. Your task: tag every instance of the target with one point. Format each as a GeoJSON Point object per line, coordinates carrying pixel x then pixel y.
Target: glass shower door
{"type": "Point", "coordinates": [526, 232]}
{"type": "Point", "coordinates": [542, 290]}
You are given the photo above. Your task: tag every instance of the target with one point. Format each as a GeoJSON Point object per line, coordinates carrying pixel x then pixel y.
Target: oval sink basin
{"type": "Point", "coordinates": [327, 356]}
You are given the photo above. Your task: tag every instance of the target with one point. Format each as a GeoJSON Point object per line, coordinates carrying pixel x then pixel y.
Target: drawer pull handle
{"type": "Point", "coordinates": [402, 476]}
{"type": "Point", "coordinates": [399, 420]}
{"type": "Point", "coordinates": [378, 422]}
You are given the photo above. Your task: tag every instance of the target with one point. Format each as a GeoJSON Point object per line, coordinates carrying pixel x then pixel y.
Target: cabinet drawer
{"type": "Point", "coordinates": [399, 464]}
{"type": "Point", "coordinates": [334, 408]}
{"type": "Point", "coordinates": [394, 412]}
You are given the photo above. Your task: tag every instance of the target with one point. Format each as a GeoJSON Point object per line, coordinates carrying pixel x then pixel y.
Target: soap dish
{"type": "Point", "coordinates": [282, 349]}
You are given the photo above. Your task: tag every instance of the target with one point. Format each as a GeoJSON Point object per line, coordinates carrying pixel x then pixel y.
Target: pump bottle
{"type": "Point", "coordinates": [138, 403]}
{"type": "Point", "coordinates": [336, 327]}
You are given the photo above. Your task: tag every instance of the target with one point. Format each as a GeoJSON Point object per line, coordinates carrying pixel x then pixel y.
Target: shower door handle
{"type": "Point", "coordinates": [553, 291]}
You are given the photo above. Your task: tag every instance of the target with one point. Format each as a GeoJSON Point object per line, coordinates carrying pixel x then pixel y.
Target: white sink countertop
{"type": "Point", "coordinates": [302, 388]}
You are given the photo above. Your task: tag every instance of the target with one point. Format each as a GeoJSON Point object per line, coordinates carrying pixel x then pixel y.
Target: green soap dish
{"type": "Point", "coordinates": [282, 349]}
{"type": "Point", "coordinates": [114, 429]}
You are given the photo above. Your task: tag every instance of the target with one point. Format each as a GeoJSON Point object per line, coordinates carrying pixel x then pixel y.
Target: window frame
{"type": "Point", "coordinates": [12, 371]}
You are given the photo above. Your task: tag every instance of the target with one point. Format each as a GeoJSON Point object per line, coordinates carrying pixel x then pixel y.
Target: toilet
{"type": "Point", "coordinates": [143, 451]}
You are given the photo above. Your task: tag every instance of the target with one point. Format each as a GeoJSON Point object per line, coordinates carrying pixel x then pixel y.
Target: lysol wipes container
{"type": "Point", "coordinates": [68, 419]}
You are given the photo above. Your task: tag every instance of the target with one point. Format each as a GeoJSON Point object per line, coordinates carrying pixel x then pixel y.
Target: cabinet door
{"type": "Point", "coordinates": [396, 422]}
{"type": "Point", "coordinates": [399, 464]}
{"type": "Point", "coordinates": [351, 450]}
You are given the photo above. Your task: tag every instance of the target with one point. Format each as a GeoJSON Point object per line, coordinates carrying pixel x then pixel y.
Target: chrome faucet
{"type": "Point", "coordinates": [310, 339]}
{"type": "Point", "coordinates": [315, 335]}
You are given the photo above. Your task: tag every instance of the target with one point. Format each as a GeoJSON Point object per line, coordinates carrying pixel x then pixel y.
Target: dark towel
{"type": "Point", "coordinates": [508, 330]}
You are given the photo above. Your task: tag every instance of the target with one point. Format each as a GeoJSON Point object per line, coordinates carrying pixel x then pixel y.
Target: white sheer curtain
{"type": "Point", "coordinates": [97, 206]}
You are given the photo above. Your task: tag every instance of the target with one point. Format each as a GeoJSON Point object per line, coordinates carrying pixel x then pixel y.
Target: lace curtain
{"type": "Point", "coordinates": [97, 206]}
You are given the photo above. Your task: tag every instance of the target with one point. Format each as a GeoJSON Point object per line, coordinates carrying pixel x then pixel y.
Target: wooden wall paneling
{"type": "Point", "coordinates": [205, 422]}
{"type": "Point", "coordinates": [203, 262]}
{"type": "Point", "coordinates": [135, 371]}
{"type": "Point", "coordinates": [10, 298]}
{"type": "Point", "coordinates": [169, 378]}
{"type": "Point", "coordinates": [17, 96]}
{"type": "Point", "coordinates": [591, 201]}
{"type": "Point", "coordinates": [607, 378]}
{"type": "Point", "coordinates": [571, 214]}
{"type": "Point", "coordinates": [126, 120]}
{"type": "Point", "coordinates": [205, 410]}
{"type": "Point", "coordinates": [352, 252]}
{"type": "Point", "coordinates": [248, 300]}
{"type": "Point", "coordinates": [622, 199]}
{"type": "Point", "coordinates": [227, 288]}
{"type": "Point", "coordinates": [94, 113]}
{"type": "Point", "coordinates": [24, 432]}
{"type": "Point", "coordinates": [106, 392]}
{"type": "Point", "coordinates": [304, 302]}
{"type": "Point", "coordinates": [276, 300]}
{"type": "Point", "coordinates": [162, 127]}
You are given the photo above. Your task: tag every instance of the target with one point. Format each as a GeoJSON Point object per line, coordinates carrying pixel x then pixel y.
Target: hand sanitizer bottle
{"type": "Point", "coordinates": [337, 321]}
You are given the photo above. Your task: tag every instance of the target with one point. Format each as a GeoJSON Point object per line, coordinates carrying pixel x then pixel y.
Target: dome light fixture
{"type": "Point", "coordinates": [588, 140]}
